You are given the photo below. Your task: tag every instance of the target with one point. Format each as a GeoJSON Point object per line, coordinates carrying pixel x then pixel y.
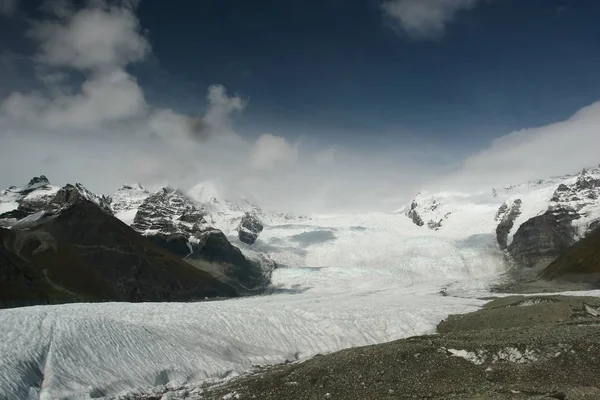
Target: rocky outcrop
{"type": "Point", "coordinates": [70, 194]}
{"type": "Point", "coordinates": [211, 251]}
{"type": "Point", "coordinates": [249, 229]}
{"type": "Point", "coordinates": [81, 253]}
{"type": "Point", "coordinates": [39, 195]}
{"type": "Point", "coordinates": [27, 200]}
{"type": "Point", "coordinates": [168, 212]}
{"type": "Point", "coordinates": [429, 212]}
{"type": "Point", "coordinates": [541, 239]}
{"type": "Point", "coordinates": [177, 223]}
{"type": "Point", "coordinates": [571, 215]}
{"type": "Point", "coordinates": [413, 214]}
{"type": "Point", "coordinates": [506, 216]}
{"type": "Point", "coordinates": [578, 263]}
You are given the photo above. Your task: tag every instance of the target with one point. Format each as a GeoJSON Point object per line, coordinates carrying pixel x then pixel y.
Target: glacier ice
{"type": "Point", "coordinates": [350, 287]}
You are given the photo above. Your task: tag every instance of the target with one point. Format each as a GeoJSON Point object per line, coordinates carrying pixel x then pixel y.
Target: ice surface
{"type": "Point", "coordinates": [372, 278]}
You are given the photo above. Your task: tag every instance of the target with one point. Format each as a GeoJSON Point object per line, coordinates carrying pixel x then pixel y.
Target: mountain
{"type": "Point", "coordinates": [126, 201]}
{"type": "Point", "coordinates": [181, 225]}
{"type": "Point", "coordinates": [17, 203]}
{"type": "Point", "coordinates": [222, 214]}
{"type": "Point", "coordinates": [79, 252]}
{"type": "Point", "coordinates": [168, 222]}
{"type": "Point", "coordinates": [534, 222]}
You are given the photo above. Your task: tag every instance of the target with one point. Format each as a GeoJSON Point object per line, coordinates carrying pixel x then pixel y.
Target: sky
{"type": "Point", "coordinates": [308, 106]}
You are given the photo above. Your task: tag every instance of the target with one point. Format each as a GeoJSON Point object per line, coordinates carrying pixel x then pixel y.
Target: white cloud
{"type": "Point", "coordinates": [99, 40]}
{"type": "Point", "coordinates": [554, 149]}
{"type": "Point", "coordinates": [424, 19]}
{"type": "Point", "coordinates": [90, 122]}
{"type": "Point", "coordinates": [221, 108]}
{"type": "Point", "coordinates": [102, 98]}
{"type": "Point", "coordinates": [8, 7]}
{"type": "Point", "coordinates": [272, 151]}
{"type": "Point", "coordinates": [92, 38]}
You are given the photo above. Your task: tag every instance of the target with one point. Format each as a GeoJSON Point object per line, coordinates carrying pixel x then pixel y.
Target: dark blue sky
{"type": "Point", "coordinates": [333, 68]}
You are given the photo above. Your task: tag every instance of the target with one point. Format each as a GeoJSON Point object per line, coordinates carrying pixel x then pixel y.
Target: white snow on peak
{"type": "Point", "coordinates": [451, 213]}
{"type": "Point", "coordinates": [37, 190]}
{"type": "Point", "coordinates": [127, 200]}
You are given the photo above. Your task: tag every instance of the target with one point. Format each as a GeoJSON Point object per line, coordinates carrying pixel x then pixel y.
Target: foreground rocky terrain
{"type": "Point", "coordinates": [514, 348]}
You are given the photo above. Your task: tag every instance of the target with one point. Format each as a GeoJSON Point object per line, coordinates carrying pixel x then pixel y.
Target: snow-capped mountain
{"type": "Point", "coordinates": [17, 203]}
{"type": "Point", "coordinates": [567, 206]}
{"type": "Point", "coordinates": [345, 280]}
{"type": "Point", "coordinates": [126, 201]}
{"type": "Point", "coordinates": [169, 211]}
{"type": "Point", "coordinates": [173, 211]}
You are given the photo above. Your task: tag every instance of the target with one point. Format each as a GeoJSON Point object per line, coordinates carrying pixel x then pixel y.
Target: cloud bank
{"type": "Point", "coordinates": [89, 120]}
{"type": "Point", "coordinates": [551, 150]}
{"type": "Point", "coordinates": [424, 19]}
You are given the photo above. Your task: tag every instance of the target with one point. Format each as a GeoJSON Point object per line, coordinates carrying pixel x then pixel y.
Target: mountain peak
{"type": "Point", "coordinates": [133, 187]}
{"type": "Point", "coordinates": [39, 180]}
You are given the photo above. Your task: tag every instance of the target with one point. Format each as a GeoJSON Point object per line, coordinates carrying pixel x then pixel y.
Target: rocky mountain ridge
{"type": "Point", "coordinates": [533, 222]}
{"type": "Point", "coordinates": [168, 219]}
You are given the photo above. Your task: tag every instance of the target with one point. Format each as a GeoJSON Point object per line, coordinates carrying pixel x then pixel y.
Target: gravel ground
{"type": "Point", "coordinates": [514, 348]}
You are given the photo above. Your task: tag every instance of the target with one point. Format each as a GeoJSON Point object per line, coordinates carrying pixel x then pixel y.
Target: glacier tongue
{"type": "Point", "coordinates": [345, 281]}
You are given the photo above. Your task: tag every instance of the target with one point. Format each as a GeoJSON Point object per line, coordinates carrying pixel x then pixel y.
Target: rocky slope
{"type": "Point", "coordinates": [173, 220]}
{"type": "Point", "coordinates": [79, 252]}
{"type": "Point", "coordinates": [168, 219]}
{"type": "Point", "coordinates": [579, 263]}
{"type": "Point", "coordinates": [534, 222]}
{"type": "Point", "coordinates": [39, 195]}
{"type": "Point", "coordinates": [514, 348]}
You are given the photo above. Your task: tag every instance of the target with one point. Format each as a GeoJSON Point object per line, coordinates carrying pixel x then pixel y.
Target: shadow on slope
{"type": "Point", "coordinates": [81, 253]}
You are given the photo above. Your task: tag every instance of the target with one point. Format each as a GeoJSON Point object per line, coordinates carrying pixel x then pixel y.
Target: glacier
{"type": "Point", "coordinates": [343, 281]}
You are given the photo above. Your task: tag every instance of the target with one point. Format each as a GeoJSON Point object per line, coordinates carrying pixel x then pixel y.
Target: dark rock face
{"type": "Point", "coordinates": [211, 251]}
{"type": "Point", "coordinates": [585, 189]}
{"type": "Point", "coordinates": [540, 240]}
{"type": "Point", "coordinates": [250, 228]}
{"type": "Point", "coordinates": [434, 223]}
{"type": "Point", "coordinates": [168, 211]}
{"type": "Point", "coordinates": [38, 180]}
{"type": "Point", "coordinates": [81, 253]}
{"type": "Point", "coordinates": [414, 215]}
{"type": "Point", "coordinates": [579, 263]}
{"type": "Point", "coordinates": [506, 216]}
{"type": "Point", "coordinates": [176, 223]}
{"type": "Point", "coordinates": [545, 237]}
{"type": "Point", "coordinates": [70, 194]}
